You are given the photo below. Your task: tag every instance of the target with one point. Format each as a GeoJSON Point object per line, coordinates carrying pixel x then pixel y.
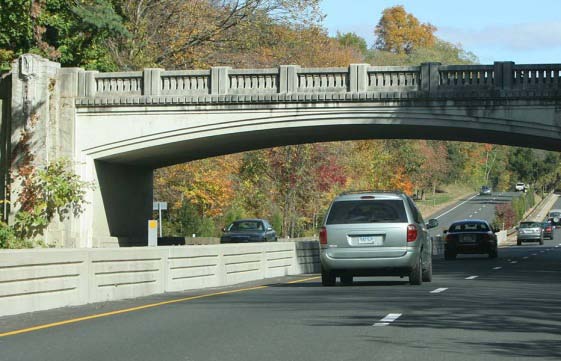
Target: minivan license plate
{"type": "Point", "coordinates": [371, 240]}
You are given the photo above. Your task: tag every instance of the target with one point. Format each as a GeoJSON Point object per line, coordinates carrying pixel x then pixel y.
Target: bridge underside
{"type": "Point", "coordinates": [216, 145]}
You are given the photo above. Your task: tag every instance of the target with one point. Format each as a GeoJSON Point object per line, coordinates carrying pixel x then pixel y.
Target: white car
{"type": "Point", "coordinates": [520, 187]}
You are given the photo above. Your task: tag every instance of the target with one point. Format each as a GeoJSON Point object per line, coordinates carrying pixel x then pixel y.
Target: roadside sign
{"type": "Point", "coordinates": [160, 206]}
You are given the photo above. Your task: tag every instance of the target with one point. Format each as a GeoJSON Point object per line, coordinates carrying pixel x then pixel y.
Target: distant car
{"type": "Point", "coordinates": [554, 217]}
{"type": "Point", "coordinates": [547, 230]}
{"type": "Point", "coordinates": [473, 236]}
{"type": "Point", "coordinates": [529, 232]}
{"type": "Point", "coordinates": [520, 187]}
{"type": "Point", "coordinates": [485, 191]}
{"type": "Point", "coordinates": [248, 230]}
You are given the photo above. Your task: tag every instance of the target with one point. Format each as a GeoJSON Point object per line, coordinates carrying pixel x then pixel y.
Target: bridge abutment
{"type": "Point", "coordinates": [121, 205]}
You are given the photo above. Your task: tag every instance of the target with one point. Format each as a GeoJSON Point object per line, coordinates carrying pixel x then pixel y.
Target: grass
{"type": "Point", "coordinates": [443, 197]}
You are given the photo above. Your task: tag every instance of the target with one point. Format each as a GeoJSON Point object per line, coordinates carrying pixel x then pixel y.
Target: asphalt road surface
{"type": "Point", "coordinates": [475, 309]}
{"type": "Point", "coordinates": [473, 207]}
{"type": "Point", "coordinates": [557, 204]}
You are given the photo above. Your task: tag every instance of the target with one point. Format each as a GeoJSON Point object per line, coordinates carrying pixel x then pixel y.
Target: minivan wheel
{"type": "Point", "coordinates": [415, 277]}
{"type": "Point", "coordinates": [346, 280]}
{"type": "Point", "coordinates": [328, 279]}
{"type": "Point", "coordinates": [427, 272]}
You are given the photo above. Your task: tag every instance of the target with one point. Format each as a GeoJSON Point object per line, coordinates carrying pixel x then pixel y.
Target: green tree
{"type": "Point", "coordinates": [523, 164]}
{"type": "Point", "coordinates": [54, 191]}
{"type": "Point", "coordinates": [352, 40]}
{"type": "Point", "coordinates": [71, 32]}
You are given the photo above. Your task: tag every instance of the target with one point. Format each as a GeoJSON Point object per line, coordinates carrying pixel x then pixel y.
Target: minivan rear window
{"type": "Point", "coordinates": [375, 211]}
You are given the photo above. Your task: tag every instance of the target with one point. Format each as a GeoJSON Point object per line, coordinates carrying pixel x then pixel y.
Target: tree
{"type": "Point", "coordinates": [352, 40]}
{"type": "Point", "coordinates": [523, 164]}
{"type": "Point", "coordinates": [54, 191]}
{"type": "Point", "coordinates": [186, 34]}
{"type": "Point", "coordinates": [16, 34]}
{"type": "Point", "coordinates": [71, 32]}
{"type": "Point", "coordinates": [400, 32]}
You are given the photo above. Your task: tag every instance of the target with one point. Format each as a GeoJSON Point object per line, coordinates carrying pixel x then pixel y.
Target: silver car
{"type": "Point", "coordinates": [529, 232]}
{"type": "Point", "coordinates": [375, 234]}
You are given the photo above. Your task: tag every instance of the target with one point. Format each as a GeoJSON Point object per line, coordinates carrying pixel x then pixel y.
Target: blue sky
{"type": "Point", "coordinates": [495, 30]}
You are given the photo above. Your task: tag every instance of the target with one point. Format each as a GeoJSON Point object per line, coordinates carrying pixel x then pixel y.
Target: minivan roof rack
{"type": "Point", "coordinates": [371, 191]}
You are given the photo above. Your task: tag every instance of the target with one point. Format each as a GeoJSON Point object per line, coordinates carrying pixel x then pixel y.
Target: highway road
{"type": "Point", "coordinates": [473, 207]}
{"type": "Point", "coordinates": [475, 309]}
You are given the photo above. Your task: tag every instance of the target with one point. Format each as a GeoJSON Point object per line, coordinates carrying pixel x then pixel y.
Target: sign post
{"type": "Point", "coordinates": [160, 206]}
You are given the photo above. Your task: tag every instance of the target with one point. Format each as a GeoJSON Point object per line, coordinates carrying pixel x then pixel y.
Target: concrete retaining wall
{"type": "Point", "coordinates": [34, 280]}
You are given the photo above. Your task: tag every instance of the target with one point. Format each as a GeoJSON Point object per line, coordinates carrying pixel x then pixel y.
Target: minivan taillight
{"type": "Point", "coordinates": [323, 235]}
{"type": "Point", "coordinates": [411, 233]}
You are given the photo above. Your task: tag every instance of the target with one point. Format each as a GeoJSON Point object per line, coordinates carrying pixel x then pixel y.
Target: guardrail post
{"type": "Point", "coordinates": [430, 77]}
{"type": "Point", "coordinates": [288, 79]}
{"type": "Point", "coordinates": [504, 74]}
{"type": "Point", "coordinates": [219, 80]}
{"type": "Point", "coordinates": [152, 81]}
{"type": "Point", "coordinates": [358, 78]}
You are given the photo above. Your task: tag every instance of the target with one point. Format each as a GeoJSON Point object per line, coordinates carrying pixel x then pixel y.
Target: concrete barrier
{"type": "Point", "coordinates": [41, 279]}
{"type": "Point", "coordinates": [501, 238]}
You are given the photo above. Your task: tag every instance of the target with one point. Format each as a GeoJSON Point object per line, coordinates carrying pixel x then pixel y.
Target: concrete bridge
{"type": "Point", "coordinates": [118, 127]}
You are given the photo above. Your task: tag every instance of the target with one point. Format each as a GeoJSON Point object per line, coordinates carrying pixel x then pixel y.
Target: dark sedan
{"type": "Point", "coordinates": [248, 230]}
{"type": "Point", "coordinates": [470, 237]}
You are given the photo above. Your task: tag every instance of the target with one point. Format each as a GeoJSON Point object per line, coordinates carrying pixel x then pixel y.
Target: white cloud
{"type": "Point", "coordinates": [517, 37]}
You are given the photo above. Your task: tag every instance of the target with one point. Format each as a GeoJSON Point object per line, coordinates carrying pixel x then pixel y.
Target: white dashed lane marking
{"type": "Point", "coordinates": [498, 267]}
{"type": "Point", "coordinates": [450, 210]}
{"type": "Point", "coordinates": [391, 317]}
{"type": "Point", "coordinates": [438, 290]}
{"type": "Point", "coordinates": [525, 257]}
{"type": "Point", "coordinates": [471, 277]}
{"type": "Point", "coordinates": [514, 262]}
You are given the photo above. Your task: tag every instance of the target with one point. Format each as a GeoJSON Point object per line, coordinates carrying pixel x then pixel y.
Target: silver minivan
{"type": "Point", "coordinates": [375, 234]}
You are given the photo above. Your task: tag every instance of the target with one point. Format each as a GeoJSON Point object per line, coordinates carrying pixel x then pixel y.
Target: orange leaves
{"type": "Point", "coordinates": [400, 32]}
{"type": "Point", "coordinates": [206, 184]}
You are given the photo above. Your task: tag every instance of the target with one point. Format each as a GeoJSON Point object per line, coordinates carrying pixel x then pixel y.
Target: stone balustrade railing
{"type": "Point", "coordinates": [291, 82]}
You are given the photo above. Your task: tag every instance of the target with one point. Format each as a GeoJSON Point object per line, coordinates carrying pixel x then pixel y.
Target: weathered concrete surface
{"type": "Point", "coordinates": [117, 127]}
{"type": "Point", "coordinates": [41, 279]}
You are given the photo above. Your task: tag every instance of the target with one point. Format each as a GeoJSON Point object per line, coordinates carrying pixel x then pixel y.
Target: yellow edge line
{"type": "Point", "coordinates": [138, 308]}
{"type": "Point", "coordinates": [304, 280]}
{"type": "Point", "coordinates": [117, 312]}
